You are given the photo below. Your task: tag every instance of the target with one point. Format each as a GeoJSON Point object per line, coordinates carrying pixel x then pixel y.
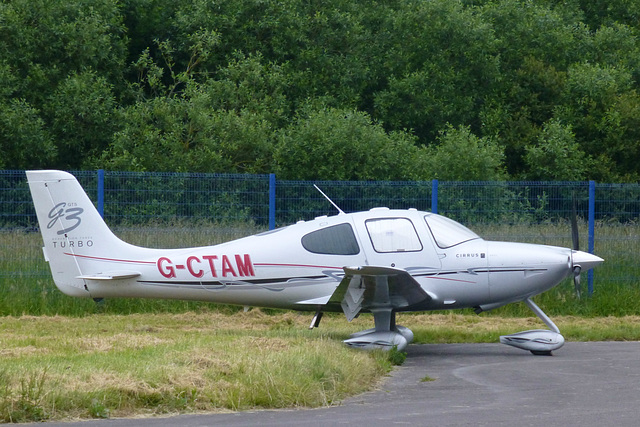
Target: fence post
{"type": "Point", "coordinates": [434, 196]}
{"type": "Point", "coordinates": [592, 220]}
{"type": "Point", "coordinates": [272, 201]}
{"type": "Point", "coordinates": [101, 192]}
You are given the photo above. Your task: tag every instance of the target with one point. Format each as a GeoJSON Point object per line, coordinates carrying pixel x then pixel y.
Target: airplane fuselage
{"type": "Point", "coordinates": [275, 269]}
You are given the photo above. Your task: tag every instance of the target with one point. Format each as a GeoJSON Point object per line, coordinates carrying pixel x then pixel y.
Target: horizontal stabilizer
{"type": "Point", "coordinates": [110, 275]}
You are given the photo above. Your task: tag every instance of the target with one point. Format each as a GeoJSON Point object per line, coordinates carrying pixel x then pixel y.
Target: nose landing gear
{"type": "Point", "coordinates": [540, 342]}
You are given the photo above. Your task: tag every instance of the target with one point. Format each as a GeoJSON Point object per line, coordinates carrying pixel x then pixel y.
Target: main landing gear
{"type": "Point", "coordinates": [385, 335]}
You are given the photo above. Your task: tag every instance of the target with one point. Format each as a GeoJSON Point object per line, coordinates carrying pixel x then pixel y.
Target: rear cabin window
{"type": "Point", "coordinates": [334, 240]}
{"type": "Point", "coordinates": [393, 235]}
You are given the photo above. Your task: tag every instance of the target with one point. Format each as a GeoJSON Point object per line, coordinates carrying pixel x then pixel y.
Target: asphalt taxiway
{"type": "Point", "coordinates": [582, 384]}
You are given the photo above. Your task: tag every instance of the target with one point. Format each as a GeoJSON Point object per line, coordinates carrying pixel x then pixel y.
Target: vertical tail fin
{"type": "Point", "coordinates": [72, 229]}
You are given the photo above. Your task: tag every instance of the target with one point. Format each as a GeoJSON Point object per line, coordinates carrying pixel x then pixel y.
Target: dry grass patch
{"type": "Point", "coordinates": [112, 365]}
{"type": "Point", "coordinates": [115, 365]}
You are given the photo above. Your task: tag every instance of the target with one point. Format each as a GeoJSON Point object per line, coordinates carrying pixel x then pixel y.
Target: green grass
{"type": "Point", "coordinates": [112, 365]}
{"type": "Point", "coordinates": [106, 365]}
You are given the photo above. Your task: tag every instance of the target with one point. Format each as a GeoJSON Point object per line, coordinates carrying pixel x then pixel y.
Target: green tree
{"type": "Point", "coordinates": [339, 144]}
{"type": "Point", "coordinates": [536, 44]}
{"type": "Point", "coordinates": [588, 105]}
{"type": "Point", "coordinates": [47, 45]}
{"type": "Point", "coordinates": [215, 86]}
{"type": "Point", "coordinates": [459, 155]}
{"type": "Point", "coordinates": [249, 84]}
{"type": "Point", "coordinates": [24, 141]}
{"type": "Point", "coordinates": [556, 155]}
{"type": "Point", "coordinates": [610, 12]}
{"type": "Point", "coordinates": [621, 127]}
{"type": "Point", "coordinates": [46, 40]}
{"type": "Point", "coordinates": [82, 117]}
{"type": "Point", "coordinates": [325, 45]}
{"type": "Point", "coordinates": [177, 134]}
{"type": "Point", "coordinates": [442, 64]}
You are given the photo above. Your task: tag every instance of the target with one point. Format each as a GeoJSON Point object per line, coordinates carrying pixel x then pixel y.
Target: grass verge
{"type": "Point", "coordinates": [113, 365]}
{"type": "Point", "coordinates": [106, 365]}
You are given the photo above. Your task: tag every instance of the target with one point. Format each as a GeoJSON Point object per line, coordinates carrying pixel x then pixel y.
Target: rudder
{"type": "Point", "coordinates": [69, 222]}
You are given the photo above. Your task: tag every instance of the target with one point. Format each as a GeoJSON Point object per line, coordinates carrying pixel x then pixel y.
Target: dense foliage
{"type": "Point", "coordinates": [412, 89]}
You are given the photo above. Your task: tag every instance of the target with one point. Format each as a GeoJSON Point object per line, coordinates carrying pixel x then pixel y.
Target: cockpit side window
{"type": "Point", "coordinates": [393, 235]}
{"type": "Point", "coordinates": [335, 240]}
{"type": "Point", "coordinates": [446, 232]}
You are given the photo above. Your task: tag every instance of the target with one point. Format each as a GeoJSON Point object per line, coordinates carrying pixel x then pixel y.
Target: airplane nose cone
{"type": "Point", "coordinates": [585, 260]}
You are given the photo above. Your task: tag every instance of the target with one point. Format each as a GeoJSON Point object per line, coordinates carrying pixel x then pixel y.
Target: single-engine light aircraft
{"type": "Point", "coordinates": [381, 261]}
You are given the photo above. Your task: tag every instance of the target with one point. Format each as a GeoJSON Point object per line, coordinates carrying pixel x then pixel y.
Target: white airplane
{"type": "Point", "coordinates": [381, 261]}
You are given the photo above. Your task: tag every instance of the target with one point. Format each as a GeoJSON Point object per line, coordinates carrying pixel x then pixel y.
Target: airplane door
{"type": "Point", "coordinates": [397, 242]}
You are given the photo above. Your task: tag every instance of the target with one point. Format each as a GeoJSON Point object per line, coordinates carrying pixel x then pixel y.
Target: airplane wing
{"type": "Point", "coordinates": [371, 287]}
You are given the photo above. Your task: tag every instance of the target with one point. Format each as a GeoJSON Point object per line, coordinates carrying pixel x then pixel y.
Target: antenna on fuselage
{"type": "Point", "coordinates": [330, 201]}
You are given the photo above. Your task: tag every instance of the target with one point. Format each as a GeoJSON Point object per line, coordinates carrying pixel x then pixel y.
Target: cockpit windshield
{"type": "Point", "coordinates": [447, 232]}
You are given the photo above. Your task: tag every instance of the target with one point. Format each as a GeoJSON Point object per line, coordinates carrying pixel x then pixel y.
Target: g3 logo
{"type": "Point", "coordinates": [69, 214]}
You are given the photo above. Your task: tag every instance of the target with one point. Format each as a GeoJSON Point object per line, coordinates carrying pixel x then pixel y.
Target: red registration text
{"type": "Point", "coordinates": [209, 266]}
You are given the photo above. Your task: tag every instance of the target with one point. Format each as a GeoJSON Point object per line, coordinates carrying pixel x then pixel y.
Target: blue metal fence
{"type": "Point", "coordinates": [140, 199]}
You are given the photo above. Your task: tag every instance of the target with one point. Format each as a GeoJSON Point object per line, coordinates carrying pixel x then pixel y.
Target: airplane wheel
{"type": "Point", "coordinates": [541, 353]}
